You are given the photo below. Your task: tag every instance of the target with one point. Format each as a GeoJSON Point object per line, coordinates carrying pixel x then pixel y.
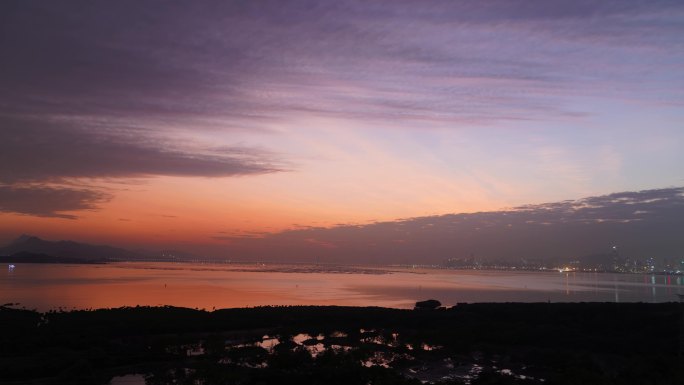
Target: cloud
{"type": "Point", "coordinates": [108, 89]}
{"type": "Point", "coordinates": [82, 98]}
{"type": "Point", "coordinates": [643, 223]}
{"type": "Point", "coordinates": [243, 63]}
{"type": "Point", "coordinates": [35, 152]}
{"type": "Point", "coordinates": [41, 151]}
{"type": "Point", "coordinates": [44, 201]}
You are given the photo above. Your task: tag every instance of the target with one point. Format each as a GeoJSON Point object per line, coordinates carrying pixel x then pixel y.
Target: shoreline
{"type": "Point", "coordinates": [325, 267]}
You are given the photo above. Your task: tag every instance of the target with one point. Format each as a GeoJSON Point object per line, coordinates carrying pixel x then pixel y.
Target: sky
{"type": "Point", "coordinates": [202, 125]}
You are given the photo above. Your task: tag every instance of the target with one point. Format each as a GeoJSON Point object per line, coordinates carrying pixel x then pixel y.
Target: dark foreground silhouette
{"type": "Point", "coordinates": [549, 343]}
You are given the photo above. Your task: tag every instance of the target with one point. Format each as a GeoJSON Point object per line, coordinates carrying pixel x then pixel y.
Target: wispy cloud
{"type": "Point", "coordinates": [435, 60]}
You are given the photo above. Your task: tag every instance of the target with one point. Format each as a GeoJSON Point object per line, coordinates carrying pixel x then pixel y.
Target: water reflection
{"type": "Point", "coordinates": [268, 343]}
{"type": "Point", "coordinates": [387, 349]}
{"type": "Point", "coordinates": [46, 287]}
{"type": "Point", "coordinates": [129, 379]}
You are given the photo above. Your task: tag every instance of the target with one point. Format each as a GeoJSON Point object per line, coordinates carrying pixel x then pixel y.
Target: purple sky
{"type": "Point", "coordinates": [146, 123]}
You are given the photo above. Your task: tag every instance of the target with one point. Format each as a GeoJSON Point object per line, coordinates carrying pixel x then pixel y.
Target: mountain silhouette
{"type": "Point", "coordinates": [66, 249]}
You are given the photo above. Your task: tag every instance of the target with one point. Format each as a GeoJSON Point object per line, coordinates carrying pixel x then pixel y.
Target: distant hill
{"type": "Point", "coordinates": [26, 257]}
{"type": "Point", "coordinates": [66, 249]}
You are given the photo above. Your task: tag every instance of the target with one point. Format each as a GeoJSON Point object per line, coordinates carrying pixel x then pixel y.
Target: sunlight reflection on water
{"type": "Point", "coordinates": [51, 286]}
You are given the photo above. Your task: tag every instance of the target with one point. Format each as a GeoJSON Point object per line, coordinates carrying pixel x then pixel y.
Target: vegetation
{"type": "Point", "coordinates": [580, 343]}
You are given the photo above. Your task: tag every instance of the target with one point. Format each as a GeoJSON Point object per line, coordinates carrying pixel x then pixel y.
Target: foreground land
{"type": "Point", "coordinates": [549, 343]}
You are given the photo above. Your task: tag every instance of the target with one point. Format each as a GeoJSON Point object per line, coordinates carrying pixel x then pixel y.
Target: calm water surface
{"type": "Point", "coordinates": [48, 286]}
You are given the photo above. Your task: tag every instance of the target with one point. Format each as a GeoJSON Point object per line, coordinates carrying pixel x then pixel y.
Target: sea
{"type": "Point", "coordinates": [47, 287]}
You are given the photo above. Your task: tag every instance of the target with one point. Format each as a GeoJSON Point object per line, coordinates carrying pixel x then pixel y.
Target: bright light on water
{"type": "Point", "coordinates": [51, 286]}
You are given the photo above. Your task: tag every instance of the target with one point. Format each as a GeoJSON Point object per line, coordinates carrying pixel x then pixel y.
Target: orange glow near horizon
{"type": "Point", "coordinates": [171, 211]}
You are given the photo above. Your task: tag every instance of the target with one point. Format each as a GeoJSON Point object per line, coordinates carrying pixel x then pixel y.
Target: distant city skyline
{"type": "Point", "coordinates": [254, 127]}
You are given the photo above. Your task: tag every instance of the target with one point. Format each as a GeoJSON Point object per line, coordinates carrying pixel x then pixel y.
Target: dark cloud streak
{"type": "Point", "coordinates": [45, 201]}
{"type": "Point", "coordinates": [36, 151]}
